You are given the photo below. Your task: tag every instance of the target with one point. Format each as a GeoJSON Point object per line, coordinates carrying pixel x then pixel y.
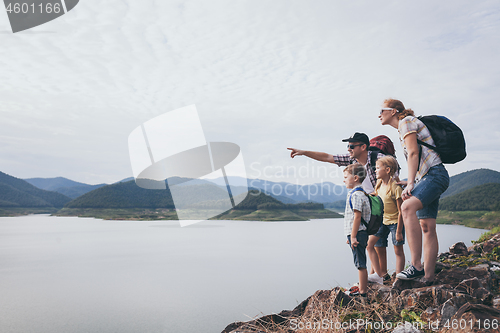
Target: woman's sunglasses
{"type": "Point", "coordinates": [385, 109]}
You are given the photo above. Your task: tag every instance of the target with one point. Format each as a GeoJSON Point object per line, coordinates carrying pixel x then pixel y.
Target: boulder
{"type": "Point", "coordinates": [459, 249]}
{"type": "Point", "coordinates": [473, 318]}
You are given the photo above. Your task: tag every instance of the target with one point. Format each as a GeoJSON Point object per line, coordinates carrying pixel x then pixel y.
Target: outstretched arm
{"type": "Point", "coordinates": [318, 156]}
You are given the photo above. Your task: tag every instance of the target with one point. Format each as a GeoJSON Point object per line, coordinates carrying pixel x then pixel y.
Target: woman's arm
{"type": "Point", "coordinates": [399, 229]}
{"type": "Point", "coordinates": [412, 149]}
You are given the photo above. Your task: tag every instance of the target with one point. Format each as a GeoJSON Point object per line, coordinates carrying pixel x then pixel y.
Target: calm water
{"type": "Point", "coordinates": [85, 275]}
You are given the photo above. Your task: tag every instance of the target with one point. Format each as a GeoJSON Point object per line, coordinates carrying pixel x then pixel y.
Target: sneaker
{"type": "Point", "coordinates": [410, 273]}
{"type": "Point", "coordinates": [375, 278]}
{"type": "Point", "coordinates": [387, 277]}
{"type": "Point", "coordinates": [354, 291]}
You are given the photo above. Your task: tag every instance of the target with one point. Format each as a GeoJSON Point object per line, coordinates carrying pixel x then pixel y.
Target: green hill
{"type": "Point", "coordinates": [470, 179]}
{"type": "Point", "coordinates": [123, 195]}
{"type": "Point", "coordinates": [482, 197]}
{"type": "Point", "coordinates": [15, 192]}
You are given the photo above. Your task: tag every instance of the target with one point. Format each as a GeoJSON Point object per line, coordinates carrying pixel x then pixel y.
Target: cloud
{"type": "Point", "coordinates": [265, 75]}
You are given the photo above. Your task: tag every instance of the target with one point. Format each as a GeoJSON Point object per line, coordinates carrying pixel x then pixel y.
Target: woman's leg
{"type": "Point", "coordinates": [431, 247]}
{"type": "Point", "coordinates": [409, 210]}
{"type": "Point", "coordinates": [400, 258]}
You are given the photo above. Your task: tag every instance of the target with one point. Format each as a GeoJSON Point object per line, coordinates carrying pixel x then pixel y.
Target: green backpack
{"type": "Point", "coordinates": [377, 212]}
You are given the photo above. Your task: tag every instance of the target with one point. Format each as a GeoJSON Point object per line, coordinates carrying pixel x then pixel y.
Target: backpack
{"type": "Point", "coordinates": [448, 138]}
{"type": "Point", "coordinates": [377, 212]}
{"type": "Point", "coordinates": [380, 144]}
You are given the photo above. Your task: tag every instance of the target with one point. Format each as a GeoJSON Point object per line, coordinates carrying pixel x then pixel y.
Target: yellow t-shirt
{"type": "Point", "coordinates": [389, 194]}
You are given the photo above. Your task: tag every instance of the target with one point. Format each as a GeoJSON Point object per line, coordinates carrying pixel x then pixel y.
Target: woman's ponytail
{"type": "Point", "coordinates": [398, 105]}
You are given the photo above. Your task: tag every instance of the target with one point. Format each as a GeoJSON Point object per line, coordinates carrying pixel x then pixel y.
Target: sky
{"type": "Point", "coordinates": [265, 75]}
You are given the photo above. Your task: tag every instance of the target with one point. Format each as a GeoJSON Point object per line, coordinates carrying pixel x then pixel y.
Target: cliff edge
{"type": "Point", "coordinates": [464, 297]}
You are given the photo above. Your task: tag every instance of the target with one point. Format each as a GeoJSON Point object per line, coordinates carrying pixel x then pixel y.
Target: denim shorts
{"type": "Point", "coordinates": [429, 189]}
{"type": "Point", "coordinates": [383, 234]}
{"type": "Point", "coordinates": [359, 252]}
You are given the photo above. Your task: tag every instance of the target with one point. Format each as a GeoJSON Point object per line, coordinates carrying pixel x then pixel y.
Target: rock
{"type": "Point", "coordinates": [400, 285]}
{"type": "Point", "coordinates": [450, 307]}
{"type": "Point", "coordinates": [456, 275]}
{"type": "Point", "coordinates": [473, 318]}
{"type": "Point", "coordinates": [441, 265]}
{"type": "Point", "coordinates": [496, 302]}
{"type": "Point", "coordinates": [406, 328]}
{"type": "Point", "coordinates": [474, 288]}
{"type": "Point", "coordinates": [431, 315]}
{"type": "Point", "coordinates": [424, 297]}
{"type": "Point", "coordinates": [459, 249]}
{"type": "Point", "coordinates": [380, 292]}
{"type": "Point", "coordinates": [322, 300]}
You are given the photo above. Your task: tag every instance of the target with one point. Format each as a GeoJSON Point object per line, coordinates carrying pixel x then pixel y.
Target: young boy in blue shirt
{"type": "Point", "coordinates": [355, 231]}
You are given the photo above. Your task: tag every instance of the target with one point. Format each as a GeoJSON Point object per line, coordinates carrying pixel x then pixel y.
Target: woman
{"type": "Point", "coordinates": [427, 180]}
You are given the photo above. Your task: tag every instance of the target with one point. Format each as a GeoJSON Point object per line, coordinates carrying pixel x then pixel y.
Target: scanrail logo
{"type": "Point", "coordinates": [26, 14]}
{"type": "Point", "coordinates": [170, 152]}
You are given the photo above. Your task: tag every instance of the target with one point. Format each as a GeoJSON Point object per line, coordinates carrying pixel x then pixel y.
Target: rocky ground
{"type": "Point", "coordinates": [464, 297]}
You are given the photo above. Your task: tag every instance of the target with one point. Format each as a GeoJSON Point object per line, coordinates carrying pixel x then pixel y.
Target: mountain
{"type": "Point", "coordinates": [470, 179]}
{"type": "Point", "coordinates": [15, 192]}
{"type": "Point", "coordinates": [63, 185]}
{"type": "Point", "coordinates": [129, 195]}
{"type": "Point", "coordinates": [482, 197]}
{"type": "Point", "coordinates": [325, 192]}
{"type": "Point", "coordinates": [123, 195]}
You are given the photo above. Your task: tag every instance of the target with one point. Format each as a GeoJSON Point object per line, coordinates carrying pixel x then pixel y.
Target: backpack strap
{"type": "Point", "coordinates": [373, 159]}
{"type": "Point", "coordinates": [368, 196]}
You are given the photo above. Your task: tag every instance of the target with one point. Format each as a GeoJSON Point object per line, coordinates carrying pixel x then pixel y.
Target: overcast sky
{"type": "Point", "coordinates": [266, 75]}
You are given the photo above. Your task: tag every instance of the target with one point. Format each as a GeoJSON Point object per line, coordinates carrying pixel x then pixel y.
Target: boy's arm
{"type": "Point", "coordinates": [315, 155]}
{"type": "Point", "coordinates": [399, 229]}
{"type": "Point", "coordinates": [355, 227]}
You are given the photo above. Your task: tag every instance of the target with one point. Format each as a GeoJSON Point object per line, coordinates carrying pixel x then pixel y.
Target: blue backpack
{"type": "Point", "coordinates": [377, 212]}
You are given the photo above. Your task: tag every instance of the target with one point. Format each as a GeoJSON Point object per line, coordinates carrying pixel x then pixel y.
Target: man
{"type": "Point", "coordinates": [358, 153]}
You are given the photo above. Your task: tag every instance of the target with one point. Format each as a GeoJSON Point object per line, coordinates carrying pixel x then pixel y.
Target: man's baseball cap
{"type": "Point", "coordinates": [358, 137]}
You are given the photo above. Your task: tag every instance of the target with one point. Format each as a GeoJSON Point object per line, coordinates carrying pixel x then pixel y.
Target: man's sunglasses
{"type": "Point", "coordinates": [353, 146]}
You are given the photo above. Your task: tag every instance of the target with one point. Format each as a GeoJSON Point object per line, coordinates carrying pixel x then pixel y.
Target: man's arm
{"type": "Point", "coordinates": [318, 156]}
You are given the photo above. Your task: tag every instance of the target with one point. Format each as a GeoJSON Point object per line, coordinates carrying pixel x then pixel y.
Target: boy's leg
{"type": "Point", "coordinates": [359, 254]}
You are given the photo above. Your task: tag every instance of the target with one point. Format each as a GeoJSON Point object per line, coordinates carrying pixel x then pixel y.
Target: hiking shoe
{"type": "Point", "coordinates": [375, 278]}
{"type": "Point", "coordinates": [410, 273]}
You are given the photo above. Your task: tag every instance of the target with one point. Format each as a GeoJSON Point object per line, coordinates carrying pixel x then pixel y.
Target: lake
{"type": "Point", "coordinates": [68, 274]}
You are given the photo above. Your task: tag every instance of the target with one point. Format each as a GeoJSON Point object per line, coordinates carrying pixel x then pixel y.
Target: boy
{"type": "Point", "coordinates": [357, 236]}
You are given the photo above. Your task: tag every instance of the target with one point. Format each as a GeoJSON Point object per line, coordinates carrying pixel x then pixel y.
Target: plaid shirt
{"type": "Point", "coordinates": [345, 159]}
{"type": "Point", "coordinates": [360, 202]}
{"type": "Point", "coordinates": [429, 157]}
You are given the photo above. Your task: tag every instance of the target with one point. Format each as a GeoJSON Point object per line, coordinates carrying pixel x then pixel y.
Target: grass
{"type": "Point", "coordinates": [15, 211]}
{"type": "Point", "coordinates": [136, 214]}
{"type": "Point", "coordinates": [471, 219]}
{"type": "Point", "coordinates": [327, 317]}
